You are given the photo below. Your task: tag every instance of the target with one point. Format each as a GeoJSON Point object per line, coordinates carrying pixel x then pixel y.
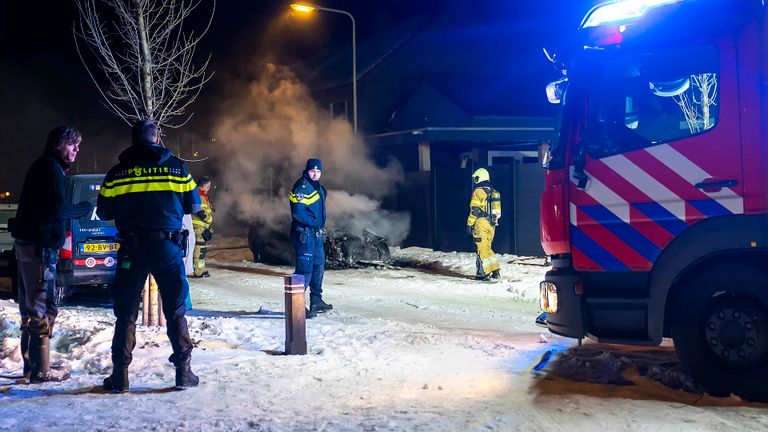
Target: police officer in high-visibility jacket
{"type": "Point", "coordinates": [484, 215]}
{"type": "Point", "coordinates": [147, 194]}
{"type": "Point", "coordinates": [202, 220]}
{"type": "Point", "coordinates": [307, 199]}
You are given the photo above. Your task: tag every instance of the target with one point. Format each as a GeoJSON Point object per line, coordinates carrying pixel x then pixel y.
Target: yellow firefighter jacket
{"type": "Point", "coordinates": [206, 209]}
{"type": "Point", "coordinates": [485, 203]}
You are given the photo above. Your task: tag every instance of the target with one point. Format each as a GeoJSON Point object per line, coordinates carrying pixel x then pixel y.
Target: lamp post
{"type": "Point", "coordinates": [308, 8]}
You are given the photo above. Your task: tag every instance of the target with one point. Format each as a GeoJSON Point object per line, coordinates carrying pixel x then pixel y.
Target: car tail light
{"type": "Point", "coordinates": [66, 250]}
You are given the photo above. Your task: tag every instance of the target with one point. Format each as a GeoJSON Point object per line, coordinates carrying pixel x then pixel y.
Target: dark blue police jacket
{"type": "Point", "coordinates": [308, 203]}
{"type": "Point", "coordinates": [150, 189]}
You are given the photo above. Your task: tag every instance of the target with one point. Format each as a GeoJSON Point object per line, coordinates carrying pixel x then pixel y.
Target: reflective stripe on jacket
{"type": "Point", "coordinates": [307, 203]}
{"type": "Point", "coordinates": [485, 203]}
{"type": "Point", "coordinates": [205, 206]}
{"type": "Point", "coordinates": [150, 189]}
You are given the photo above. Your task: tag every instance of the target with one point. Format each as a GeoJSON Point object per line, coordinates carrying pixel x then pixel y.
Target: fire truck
{"type": "Point", "coordinates": [655, 209]}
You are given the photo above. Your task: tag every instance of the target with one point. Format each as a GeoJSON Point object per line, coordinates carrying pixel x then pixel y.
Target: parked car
{"type": "Point", "coordinates": [89, 256]}
{"type": "Point", "coordinates": [7, 258]}
{"type": "Point", "coordinates": [342, 249]}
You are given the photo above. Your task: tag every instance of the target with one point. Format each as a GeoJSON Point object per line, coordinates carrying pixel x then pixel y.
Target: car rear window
{"type": "Point", "coordinates": [89, 191]}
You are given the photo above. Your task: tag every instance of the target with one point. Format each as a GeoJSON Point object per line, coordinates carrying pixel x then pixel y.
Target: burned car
{"type": "Point", "coordinates": [342, 249]}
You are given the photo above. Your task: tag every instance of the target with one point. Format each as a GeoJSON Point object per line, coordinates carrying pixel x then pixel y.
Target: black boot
{"type": "Point", "coordinates": [117, 382]}
{"type": "Point", "coordinates": [184, 376]}
{"type": "Point", "coordinates": [320, 306]}
{"type": "Point", "coordinates": [40, 362]}
{"type": "Point", "coordinates": [479, 273]}
{"type": "Point", "coordinates": [25, 351]}
{"type": "Point", "coordinates": [495, 274]}
{"type": "Point", "coordinates": [309, 314]}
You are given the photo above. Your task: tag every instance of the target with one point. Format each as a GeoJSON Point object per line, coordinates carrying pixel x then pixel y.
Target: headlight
{"type": "Point", "coordinates": [548, 297]}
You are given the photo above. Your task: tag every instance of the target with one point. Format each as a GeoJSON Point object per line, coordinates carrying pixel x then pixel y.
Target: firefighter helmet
{"type": "Point", "coordinates": [481, 175]}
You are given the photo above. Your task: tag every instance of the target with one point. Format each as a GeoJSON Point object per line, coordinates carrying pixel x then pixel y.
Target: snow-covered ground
{"type": "Point", "coordinates": [421, 348]}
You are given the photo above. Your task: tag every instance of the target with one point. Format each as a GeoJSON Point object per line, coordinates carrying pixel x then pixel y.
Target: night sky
{"type": "Point", "coordinates": [45, 84]}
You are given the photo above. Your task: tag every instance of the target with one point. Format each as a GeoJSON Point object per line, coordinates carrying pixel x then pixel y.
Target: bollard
{"type": "Point", "coordinates": [295, 318]}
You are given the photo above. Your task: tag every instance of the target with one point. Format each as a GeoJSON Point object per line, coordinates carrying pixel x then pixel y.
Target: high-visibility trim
{"type": "Point", "coordinates": [199, 222]}
{"type": "Point", "coordinates": [306, 199]}
{"type": "Point", "coordinates": [491, 264]}
{"type": "Point", "coordinates": [147, 184]}
{"type": "Point", "coordinates": [168, 177]}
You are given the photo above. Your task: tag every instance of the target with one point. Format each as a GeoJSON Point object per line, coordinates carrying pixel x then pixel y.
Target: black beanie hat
{"type": "Point", "coordinates": [314, 163]}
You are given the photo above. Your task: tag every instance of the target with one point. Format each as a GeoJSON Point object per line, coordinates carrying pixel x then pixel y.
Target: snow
{"type": "Point", "coordinates": [417, 348]}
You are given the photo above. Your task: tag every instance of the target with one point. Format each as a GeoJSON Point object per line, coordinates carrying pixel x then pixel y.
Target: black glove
{"type": "Point", "coordinates": [200, 214]}
{"type": "Point", "coordinates": [469, 230]}
{"type": "Point", "coordinates": [207, 235]}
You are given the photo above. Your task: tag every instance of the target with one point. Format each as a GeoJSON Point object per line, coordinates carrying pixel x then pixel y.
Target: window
{"type": "Point", "coordinates": [649, 99]}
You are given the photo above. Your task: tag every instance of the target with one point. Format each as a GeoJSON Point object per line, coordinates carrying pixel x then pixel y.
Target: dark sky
{"type": "Point", "coordinates": [44, 83]}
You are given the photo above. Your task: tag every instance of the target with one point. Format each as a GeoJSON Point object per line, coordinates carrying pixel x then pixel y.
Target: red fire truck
{"type": "Point", "coordinates": [655, 210]}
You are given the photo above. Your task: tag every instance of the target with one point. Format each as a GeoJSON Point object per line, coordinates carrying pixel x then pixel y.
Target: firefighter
{"type": "Point", "coordinates": [147, 194]}
{"type": "Point", "coordinates": [484, 215]}
{"type": "Point", "coordinates": [38, 230]}
{"type": "Point", "coordinates": [307, 199]}
{"type": "Point", "coordinates": [202, 221]}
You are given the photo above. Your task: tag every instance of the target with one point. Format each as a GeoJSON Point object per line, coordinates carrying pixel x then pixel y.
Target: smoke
{"type": "Point", "coordinates": [266, 133]}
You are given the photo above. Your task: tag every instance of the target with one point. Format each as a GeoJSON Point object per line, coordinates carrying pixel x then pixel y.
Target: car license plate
{"type": "Point", "coordinates": [99, 247]}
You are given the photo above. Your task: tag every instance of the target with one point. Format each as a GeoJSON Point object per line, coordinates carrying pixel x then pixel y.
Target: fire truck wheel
{"type": "Point", "coordinates": [721, 332]}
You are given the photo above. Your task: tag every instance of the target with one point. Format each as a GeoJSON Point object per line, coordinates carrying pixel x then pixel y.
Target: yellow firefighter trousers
{"type": "Point", "coordinates": [201, 248]}
{"type": "Point", "coordinates": [483, 233]}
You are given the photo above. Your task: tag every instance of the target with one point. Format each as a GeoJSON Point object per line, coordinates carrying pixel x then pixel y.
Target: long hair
{"type": "Point", "coordinates": [60, 135]}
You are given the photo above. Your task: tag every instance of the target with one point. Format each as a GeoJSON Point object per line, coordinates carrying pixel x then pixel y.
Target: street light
{"type": "Point", "coordinates": [308, 8]}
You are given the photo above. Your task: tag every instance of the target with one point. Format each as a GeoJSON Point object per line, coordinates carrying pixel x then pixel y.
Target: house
{"type": "Point", "coordinates": [445, 94]}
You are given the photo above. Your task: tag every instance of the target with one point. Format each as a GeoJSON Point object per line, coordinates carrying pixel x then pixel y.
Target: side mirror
{"type": "Point", "coordinates": [556, 89]}
{"type": "Point", "coordinates": [544, 155]}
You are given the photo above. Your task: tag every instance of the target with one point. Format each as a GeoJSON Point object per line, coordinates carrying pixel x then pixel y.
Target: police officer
{"type": "Point", "coordinates": [484, 215]}
{"type": "Point", "coordinates": [38, 229]}
{"type": "Point", "coordinates": [202, 220]}
{"type": "Point", "coordinates": [147, 194]}
{"type": "Point", "coordinates": [307, 199]}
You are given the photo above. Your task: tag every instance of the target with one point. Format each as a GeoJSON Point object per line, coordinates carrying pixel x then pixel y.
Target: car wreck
{"type": "Point", "coordinates": [342, 248]}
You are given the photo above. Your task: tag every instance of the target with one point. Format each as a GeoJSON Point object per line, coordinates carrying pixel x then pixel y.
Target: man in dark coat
{"type": "Point", "coordinates": [38, 230]}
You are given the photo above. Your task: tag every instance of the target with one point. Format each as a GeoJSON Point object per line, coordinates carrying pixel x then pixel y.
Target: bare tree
{"type": "Point", "coordinates": [696, 108]}
{"type": "Point", "coordinates": [143, 57]}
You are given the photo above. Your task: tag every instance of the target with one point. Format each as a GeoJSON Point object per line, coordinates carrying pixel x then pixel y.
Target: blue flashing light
{"type": "Point", "coordinates": [621, 11]}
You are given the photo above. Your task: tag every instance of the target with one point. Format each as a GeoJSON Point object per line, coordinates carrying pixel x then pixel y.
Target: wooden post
{"type": "Point", "coordinates": [160, 313]}
{"type": "Point", "coordinates": [145, 304]}
{"type": "Point", "coordinates": [151, 306]}
{"type": "Point", "coordinates": [295, 318]}
{"type": "Point", "coordinates": [153, 317]}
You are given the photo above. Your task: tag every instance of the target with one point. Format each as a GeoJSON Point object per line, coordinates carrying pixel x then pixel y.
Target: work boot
{"type": "Point", "coordinates": [309, 314]}
{"type": "Point", "coordinates": [117, 382]}
{"type": "Point", "coordinates": [485, 278]}
{"type": "Point", "coordinates": [320, 306]}
{"type": "Point", "coordinates": [40, 362]}
{"type": "Point", "coordinates": [184, 376]}
{"type": "Point", "coordinates": [495, 274]}
{"type": "Point", "coordinates": [25, 351]}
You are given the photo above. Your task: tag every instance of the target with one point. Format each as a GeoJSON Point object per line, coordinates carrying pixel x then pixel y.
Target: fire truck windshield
{"type": "Point", "coordinates": [638, 100]}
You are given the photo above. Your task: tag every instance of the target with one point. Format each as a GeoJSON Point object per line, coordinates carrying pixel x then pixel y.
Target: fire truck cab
{"type": "Point", "coordinates": [655, 209]}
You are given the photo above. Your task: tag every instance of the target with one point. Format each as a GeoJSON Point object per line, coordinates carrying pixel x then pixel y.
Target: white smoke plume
{"type": "Point", "coordinates": [264, 137]}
